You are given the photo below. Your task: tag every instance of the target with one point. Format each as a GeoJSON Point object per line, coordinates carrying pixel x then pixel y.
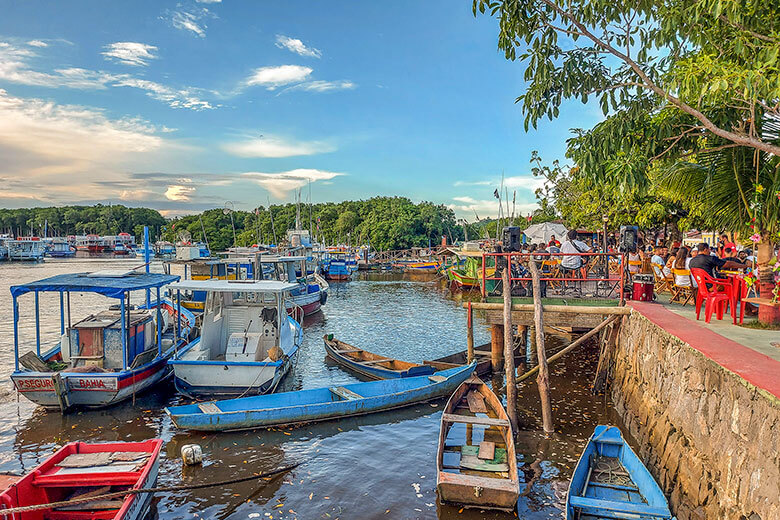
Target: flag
{"type": "Point", "coordinates": [496, 195]}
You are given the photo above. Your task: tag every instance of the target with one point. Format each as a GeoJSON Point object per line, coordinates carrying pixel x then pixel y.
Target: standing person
{"type": "Point", "coordinates": [571, 263]}
{"type": "Point", "coordinates": [553, 242]}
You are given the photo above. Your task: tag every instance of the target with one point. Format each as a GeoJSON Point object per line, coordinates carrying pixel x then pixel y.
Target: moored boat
{"type": "Point", "coordinates": [247, 343]}
{"type": "Point", "coordinates": [311, 292]}
{"type": "Point", "coordinates": [78, 469]}
{"type": "Point", "coordinates": [610, 481]}
{"type": "Point", "coordinates": [318, 404]}
{"type": "Point", "coordinates": [106, 357]}
{"type": "Point", "coordinates": [26, 249]}
{"type": "Point", "coordinates": [369, 364]}
{"type": "Point", "coordinates": [482, 475]}
{"type": "Point", "coordinates": [60, 248]}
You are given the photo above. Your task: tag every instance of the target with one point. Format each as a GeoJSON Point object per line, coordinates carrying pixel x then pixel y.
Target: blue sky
{"type": "Point", "coordinates": [182, 106]}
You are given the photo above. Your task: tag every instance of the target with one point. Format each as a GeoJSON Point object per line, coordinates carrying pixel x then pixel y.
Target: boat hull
{"type": "Point", "coordinates": [369, 371]}
{"type": "Point", "coordinates": [291, 408]}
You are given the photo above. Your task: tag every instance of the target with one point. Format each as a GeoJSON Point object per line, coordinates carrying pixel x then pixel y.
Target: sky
{"type": "Point", "coordinates": [190, 105]}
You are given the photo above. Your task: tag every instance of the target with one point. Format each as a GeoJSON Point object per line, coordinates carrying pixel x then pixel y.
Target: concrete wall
{"type": "Point", "coordinates": [710, 438]}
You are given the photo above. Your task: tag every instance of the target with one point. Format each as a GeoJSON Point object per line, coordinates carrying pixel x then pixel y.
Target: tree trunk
{"type": "Point", "coordinates": [766, 313]}
{"type": "Point", "coordinates": [543, 379]}
{"type": "Point", "coordinates": [509, 351]}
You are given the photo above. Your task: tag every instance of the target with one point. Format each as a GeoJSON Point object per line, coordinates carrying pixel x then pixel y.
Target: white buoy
{"type": "Point", "coordinates": [191, 454]}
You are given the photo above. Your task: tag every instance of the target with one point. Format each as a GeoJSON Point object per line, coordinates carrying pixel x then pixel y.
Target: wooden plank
{"type": "Point", "coordinates": [474, 463]}
{"type": "Point", "coordinates": [622, 507]}
{"type": "Point", "coordinates": [476, 402]}
{"type": "Point", "coordinates": [210, 407]}
{"type": "Point", "coordinates": [568, 309]}
{"type": "Point", "coordinates": [344, 350]}
{"type": "Point", "coordinates": [374, 361]}
{"type": "Point", "coordinates": [344, 393]}
{"type": "Point", "coordinates": [437, 379]}
{"type": "Point", "coordinates": [485, 421]}
{"type": "Point", "coordinates": [487, 450]}
{"type": "Point", "coordinates": [761, 301]}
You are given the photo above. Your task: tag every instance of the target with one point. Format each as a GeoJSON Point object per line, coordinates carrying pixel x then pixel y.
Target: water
{"type": "Point", "coordinates": [377, 466]}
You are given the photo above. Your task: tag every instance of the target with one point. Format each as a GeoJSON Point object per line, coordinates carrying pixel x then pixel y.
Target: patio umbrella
{"type": "Point", "coordinates": [542, 232]}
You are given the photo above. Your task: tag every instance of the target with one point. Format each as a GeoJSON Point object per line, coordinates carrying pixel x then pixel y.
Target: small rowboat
{"type": "Point", "coordinates": [372, 365]}
{"type": "Point", "coordinates": [611, 482]}
{"type": "Point", "coordinates": [78, 470]}
{"type": "Point", "coordinates": [318, 404]}
{"type": "Point", "coordinates": [476, 460]}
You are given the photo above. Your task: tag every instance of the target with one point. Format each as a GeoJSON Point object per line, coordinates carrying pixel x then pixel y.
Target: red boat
{"type": "Point", "coordinates": [78, 470]}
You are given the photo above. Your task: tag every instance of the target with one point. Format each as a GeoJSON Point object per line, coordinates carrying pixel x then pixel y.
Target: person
{"type": "Point", "coordinates": [745, 256]}
{"type": "Point", "coordinates": [723, 244]}
{"type": "Point", "coordinates": [710, 263]}
{"type": "Point", "coordinates": [571, 263]}
{"type": "Point", "coordinates": [658, 260]}
{"type": "Point", "coordinates": [553, 242]}
{"type": "Point", "coordinates": [681, 261]}
{"type": "Point", "coordinates": [729, 252]}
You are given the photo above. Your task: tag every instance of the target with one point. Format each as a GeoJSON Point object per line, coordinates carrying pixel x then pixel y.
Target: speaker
{"type": "Point", "coordinates": [512, 238]}
{"type": "Point", "coordinates": [629, 235]}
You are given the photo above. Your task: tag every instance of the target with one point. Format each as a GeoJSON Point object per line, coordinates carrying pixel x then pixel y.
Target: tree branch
{"type": "Point", "coordinates": [742, 28]}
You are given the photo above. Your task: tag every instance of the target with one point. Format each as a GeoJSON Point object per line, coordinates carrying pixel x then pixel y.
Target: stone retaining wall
{"type": "Point", "coordinates": [710, 438]}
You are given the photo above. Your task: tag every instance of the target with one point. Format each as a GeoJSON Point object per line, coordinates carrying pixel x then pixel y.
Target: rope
{"type": "Point", "coordinates": [121, 494]}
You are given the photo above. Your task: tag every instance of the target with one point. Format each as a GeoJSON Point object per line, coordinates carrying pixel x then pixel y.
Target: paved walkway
{"type": "Point", "coordinates": [746, 352]}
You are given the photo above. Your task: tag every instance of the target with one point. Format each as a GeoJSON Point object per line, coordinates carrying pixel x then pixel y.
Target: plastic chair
{"type": "Point", "coordinates": [715, 299]}
{"type": "Point", "coordinates": [681, 294]}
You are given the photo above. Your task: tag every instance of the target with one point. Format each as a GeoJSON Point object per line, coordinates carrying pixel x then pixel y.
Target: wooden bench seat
{"type": "Point", "coordinates": [345, 393]}
{"type": "Point", "coordinates": [485, 421]}
{"type": "Point", "coordinates": [605, 506]}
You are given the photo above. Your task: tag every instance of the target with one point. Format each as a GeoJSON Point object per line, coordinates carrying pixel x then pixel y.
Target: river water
{"type": "Point", "coordinates": [377, 466]}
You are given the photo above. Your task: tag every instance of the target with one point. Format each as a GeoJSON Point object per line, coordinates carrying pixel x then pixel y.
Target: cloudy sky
{"type": "Point", "coordinates": [182, 106]}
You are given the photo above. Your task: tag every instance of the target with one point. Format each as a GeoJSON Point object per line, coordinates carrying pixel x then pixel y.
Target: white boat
{"type": "Point", "coordinates": [247, 343]}
{"type": "Point", "coordinates": [311, 292]}
{"type": "Point", "coordinates": [26, 248]}
{"type": "Point", "coordinates": [4, 247]}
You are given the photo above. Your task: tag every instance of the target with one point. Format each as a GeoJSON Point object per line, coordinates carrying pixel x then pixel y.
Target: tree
{"type": "Point", "coordinates": [694, 57]}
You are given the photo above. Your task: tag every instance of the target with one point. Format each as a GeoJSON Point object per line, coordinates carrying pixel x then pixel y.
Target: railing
{"type": "Point", "coordinates": [603, 271]}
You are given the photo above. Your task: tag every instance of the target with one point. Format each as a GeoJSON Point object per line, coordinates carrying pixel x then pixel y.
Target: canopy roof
{"type": "Point", "coordinates": [111, 286]}
{"type": "Point", "coordinates": [544, 231]}
{"type": "Point", "coordinates": [258, 286]}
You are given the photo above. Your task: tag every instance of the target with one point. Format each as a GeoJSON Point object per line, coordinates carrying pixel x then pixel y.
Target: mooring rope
{"type": "Point", "coordinates": [120, 494]}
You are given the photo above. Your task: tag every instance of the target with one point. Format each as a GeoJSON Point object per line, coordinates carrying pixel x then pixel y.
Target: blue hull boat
{"type": "Point", "coordinates": [611, 482]}
{"type": "Point", "coordinates": [369, 364]}
{"type": "Point", "coordinates": [319, 404]}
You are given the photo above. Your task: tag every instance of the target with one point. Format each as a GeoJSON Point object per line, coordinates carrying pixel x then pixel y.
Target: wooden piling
{"type": "Point", "coordinates": [496, 347]}
{"type": "Point", "coordinates": [509, 349]}
{"type": "Point", "coordinates": [543, 379]}
{"type": "Point", "coordinates": [469, 335]}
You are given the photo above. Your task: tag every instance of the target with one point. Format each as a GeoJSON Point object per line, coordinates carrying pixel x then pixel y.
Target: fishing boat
{"type": "Point", "coordinates": [371, 365]}
{"type": "Point", "coordinates": [311, 292]}
{"type": "Point", "coordinates": [80, 470]}
{"type": "Point", "coordinates": [108, 356]}
{"type": "Point", "coordinates": [318, 404]}
{"type": "Point", "coordinates": [476, 461]}
{"type": "Point", "coordinates": [469, 274]}
{"type": "Point", "coordinates": [610, 481]}
{"type": "Point", "coordinates": [26, 249]}
{"type": "Point", "coordinates": [422, 266]}
{"type": "Point", "coordinates": [60, 248]}
{"type": "Point", "coordinates": [247, 343]}
{"type": "Point", "coordinates": [91, 244]}
{"type": "Point", "coordinates": [334, 265]}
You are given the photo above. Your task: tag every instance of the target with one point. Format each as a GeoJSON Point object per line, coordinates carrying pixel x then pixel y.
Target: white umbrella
{"type": "Point", "coordinates": [544, 231]}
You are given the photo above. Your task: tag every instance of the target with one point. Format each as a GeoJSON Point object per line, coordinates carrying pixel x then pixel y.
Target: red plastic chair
{"type": "Point", "coordinates": [716, 298]}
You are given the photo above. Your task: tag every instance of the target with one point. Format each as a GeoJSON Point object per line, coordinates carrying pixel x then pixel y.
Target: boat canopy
{"type": "Point", "coordinates": [111, 286]}
{"type": "Point", "coordinates": [279, 259]}
{"type": "Point", "coordinates": [250, 286]}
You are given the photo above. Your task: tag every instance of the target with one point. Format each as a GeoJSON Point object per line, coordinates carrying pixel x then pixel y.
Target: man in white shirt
{"type": "Point", "coordinates": [570, 263]}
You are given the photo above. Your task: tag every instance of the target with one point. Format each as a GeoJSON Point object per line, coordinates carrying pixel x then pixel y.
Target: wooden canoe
{"type": "Point", "coordinates": [317, 404]}
{"type": "Point", "coordinates": [611, 482]}
{"type": "Point", "coordinates": [476, 461]}
{"type": "Point", "coordinates": [372, 365]}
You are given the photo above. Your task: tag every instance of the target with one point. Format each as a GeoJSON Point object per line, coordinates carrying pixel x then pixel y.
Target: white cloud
{"type": "Point", "coordinates": [191, 20]}
{"type": "Point", "coordinates": [179, 192]}
{"type": "Point", "coordinates": [473, 183]}
{"type": "Point", "coordinates": [297, 46]}
{"type": "Point", "coordinates": [175, 98]}
{"type": "Point", "coordinates": [280, 184]}
{"type": "Point", "coordinates": [324, 86]}
{"type": "Point", "coordinates": [130, 53]}
{"type": "Point", "coordinates": [37, 43]}
{"type": "Point", "coordinates": [208, 1]}
{"type": "Point", "coordinates": [468, 206]}
{"type": "Point", "coordinates": [527, 182]}
{"type": "Point", "coordinates": [270, 146]}
{"type": "Point", "coordinates": [273, 77]}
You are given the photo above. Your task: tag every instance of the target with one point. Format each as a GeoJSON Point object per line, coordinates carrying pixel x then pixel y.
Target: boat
{"type": "Point", "coordinates": [60, 248]}
{"type": "Point", "coordinates": [312, 291]}
{"type": "Point", "coordinates": [79, 469]}
{"type": "Point", "coordinates": [428, 266]}
{"type": "Point", "coordinates": [318, 404]}
{"type": "Point", "coordinates": [4, 239]}
{"type": "Point", "coordinates": [476, 462]}
{"type": "Point", "coordinates": [371, 365]}
{"type": "Point", "coordinates": [482, 356]}
{"type": "Point", "coordinates": [247, 342]}
{"type": "Point", "coordinates": [106, 357]}
{"type": "Point", "coordinates": [469, 274]}
{"type": "Point", "coordinates": [26, 249]}
{"type": "Point", "coordinates": [610, 481]}
{"type": "Point", "coordinates": [334, 265]}
{"type": "Point", "coordinates": [92, 244]}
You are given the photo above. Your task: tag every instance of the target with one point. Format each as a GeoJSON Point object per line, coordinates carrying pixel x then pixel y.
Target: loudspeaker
{"type": "Point", "coordinates": [511, 238]}
{"type": "Point", "coordinates": [629, 235]}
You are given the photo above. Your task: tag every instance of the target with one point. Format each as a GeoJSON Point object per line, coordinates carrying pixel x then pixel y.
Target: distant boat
{"type": "Point", "coordinates": [611, 482]}
{"type": "Point", "coordinates": [247, 343]}
{"type": "Point", "coordinates": [425, 266]}
{"type": "Point", "coordinates": [482, 475]}
{"type": "Point", "coordinates": [312, 291]}
{"type": "Point", "coordinates": [96, 468]}
{"type": "Point", "coordinates": [318, 404]}
{"type": "Point", "coordinates": [26, 249]}
{"type": "Point", "coordinates": [334, 265]}
{"type": "Point", "coordinates": [371, 365]}
{"type": "Point", "coordinates": [60, 248]}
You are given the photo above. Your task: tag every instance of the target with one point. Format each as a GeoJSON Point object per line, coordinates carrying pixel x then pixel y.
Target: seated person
{"type": "Point", "coordinates": [681, 261]}
{"type": "Point", "coordinates": [659, 261]}
{"type": "Point", "coordinates": [571, 247]}
{"type": "Point", "coordinates": [745, 257]}
{"type": "Point", "coordinates": [710, 263]}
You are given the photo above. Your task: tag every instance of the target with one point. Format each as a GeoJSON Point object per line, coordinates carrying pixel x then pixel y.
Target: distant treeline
{"type": "Point", "coordinates": [384, 222]}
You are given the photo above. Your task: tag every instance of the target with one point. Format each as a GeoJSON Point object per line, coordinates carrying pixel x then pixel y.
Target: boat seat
{"type": "Point", "coordinates": [210, 407]}
{"type": "Point", "coordinates": [437, 379]}
{"type": "Point", "coordinates": [344, 393]}
{"type": "Point", "coordinates": [374, 361]}
{"type": "Point", "coordinates": [345, 350]}
{"type": "Point", "coordinates": [618, 507]}
{"type": "Point", "coordinates": [485, 421]}
{"type": "Point", "coordinates": [614, 442]}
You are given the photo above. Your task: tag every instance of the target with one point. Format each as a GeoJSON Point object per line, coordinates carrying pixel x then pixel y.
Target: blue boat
{"type": "Point", "coordinates": [318, 404]}
{"type": "Point", "coordinates": [369, 364]}
{"type": "Point", "coordinates": [611, 482]}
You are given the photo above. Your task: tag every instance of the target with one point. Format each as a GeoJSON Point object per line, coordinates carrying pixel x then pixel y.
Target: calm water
{"type": "Point", "coordinates": [378, 466]}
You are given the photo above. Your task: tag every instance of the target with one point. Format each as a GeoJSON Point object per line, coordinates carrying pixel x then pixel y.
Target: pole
{"type": "Point", "coordinates": [124, 333]}
{"type": "Point", "coordinates": [271, 213]}
{"type": "Point", "coordinates": [62, 315]}
{"type": "Point", "coordinates": [159, 324]}
{"type": "Point", "coordinates": [37, 326]}
{"type": "Point", "coordinates": [147, 261]}
{"type": "Point", "coordinates": [509, 354]}
{"type": "Point", "coordinates": [496, 347]}
{"type": "Point", "coordinates": [543, 379]}
{"type": "Point", "coordinates": [469, 335]}
{"type": "Point", "coordinates": [16, 333]}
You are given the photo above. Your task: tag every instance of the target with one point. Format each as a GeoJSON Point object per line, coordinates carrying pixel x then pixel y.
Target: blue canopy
{"type": "Point", "coordinates": [113, 287]}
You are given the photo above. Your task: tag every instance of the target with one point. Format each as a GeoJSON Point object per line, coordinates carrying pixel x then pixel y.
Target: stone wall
{"type": "Point", "coordinates": [710, 438]}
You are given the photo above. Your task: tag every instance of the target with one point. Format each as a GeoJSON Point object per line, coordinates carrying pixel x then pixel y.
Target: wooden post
{"type": "Point", "coordinates": [469, 335]}
{"type": "Point", "coordinates": [509, 344]}
{"type": "Point", "coordinates": [497, 347]}
{"type": "Point", "coordinates": [543, 379]}
{"type": "Point", "coordinates": [609, 340]}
